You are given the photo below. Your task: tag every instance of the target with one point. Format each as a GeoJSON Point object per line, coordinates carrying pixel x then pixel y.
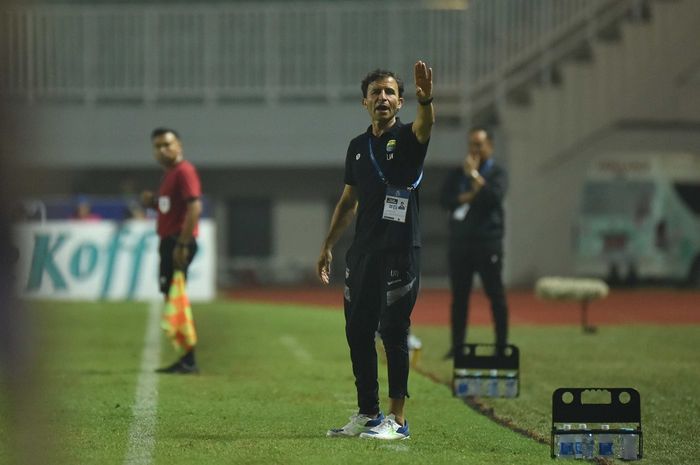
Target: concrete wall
{"type": "Point", "coordinates": [640, 92]}
{"type": "Point", "coordinates": [309, 135]}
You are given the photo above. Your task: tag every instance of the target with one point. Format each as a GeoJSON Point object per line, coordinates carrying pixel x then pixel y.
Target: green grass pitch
{"type": "Point", "coordinates": [275, 378]}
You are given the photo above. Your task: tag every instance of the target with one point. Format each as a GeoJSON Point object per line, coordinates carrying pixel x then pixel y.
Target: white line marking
{"type": "Point", "coordinates": [142, 433]}
{"type": "Point", "coordinates": [293, 345]}
{"type": "Point", "coordinates": [397, 447]}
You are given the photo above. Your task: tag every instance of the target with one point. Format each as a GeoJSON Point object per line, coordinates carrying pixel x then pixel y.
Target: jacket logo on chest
{"type": "Point", "coordinates": [390, 146]}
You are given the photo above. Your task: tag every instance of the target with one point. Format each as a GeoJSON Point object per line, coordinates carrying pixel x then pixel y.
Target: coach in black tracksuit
{"type": "Point", "coordinates": [383, 169]}
{"type": "Point", "coordinates": [473, 193]}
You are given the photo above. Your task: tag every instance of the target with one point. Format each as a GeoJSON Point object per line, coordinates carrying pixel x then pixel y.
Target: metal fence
{"type": "Point", "coordinates": [273, 51]}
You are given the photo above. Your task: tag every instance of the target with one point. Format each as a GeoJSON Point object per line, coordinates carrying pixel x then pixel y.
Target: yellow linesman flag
{"type": "Point", "coordinates": [177, 316]}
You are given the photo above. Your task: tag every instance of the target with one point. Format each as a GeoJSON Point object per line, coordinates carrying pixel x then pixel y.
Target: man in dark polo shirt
{"type": "Point", "coordinates": [179, 206]}
{"type": "Point", "coordinates": [383, 171]}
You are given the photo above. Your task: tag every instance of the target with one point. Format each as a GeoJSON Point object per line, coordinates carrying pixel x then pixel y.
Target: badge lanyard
{"type": "Point", "coordinates": [396, 199]}
{"type": "Point", "coordinates": [381, 174]}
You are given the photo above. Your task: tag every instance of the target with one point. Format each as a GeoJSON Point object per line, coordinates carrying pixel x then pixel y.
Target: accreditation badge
{"type": "Point", "coordinates": [396, 204]}
{"type": "Point", "coordinates": [164, 204]}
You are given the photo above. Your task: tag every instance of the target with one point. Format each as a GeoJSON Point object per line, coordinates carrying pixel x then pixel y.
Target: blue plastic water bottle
{"type": "Point", "coordinates": [492, 387]}
{"type": "Point", "coordinates": [564, 444]}
{"type": "Point", "coordinates": [588, 445]}
{"type": "Point", "coordinates": [511, 385]}
{"type": "Point", "coordinates": [461, 383]}
{"type": "Point", "coordinates": [578, 442]}
{"type": "Point", "coordinates": [630, 445]}
{"type": "Point", "coordinates": [606, 443]}
{"type": "Point", "coordinates": [475, 384]}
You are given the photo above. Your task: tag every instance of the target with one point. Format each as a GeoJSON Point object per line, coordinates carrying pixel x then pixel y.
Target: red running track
{"type": "Point", "coordinates": [638, 306]}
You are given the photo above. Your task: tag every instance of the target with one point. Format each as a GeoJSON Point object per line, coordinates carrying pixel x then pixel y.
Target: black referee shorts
{"type": "Point", "coordinates": [167, 268]}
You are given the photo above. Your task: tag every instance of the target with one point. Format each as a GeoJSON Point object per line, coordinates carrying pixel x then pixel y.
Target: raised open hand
{"type": "Point", "coordinates": [424, 81]}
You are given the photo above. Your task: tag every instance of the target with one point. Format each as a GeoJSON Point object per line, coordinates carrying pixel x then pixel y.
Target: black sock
{"type": "Point", "coordinates": [188, 358]}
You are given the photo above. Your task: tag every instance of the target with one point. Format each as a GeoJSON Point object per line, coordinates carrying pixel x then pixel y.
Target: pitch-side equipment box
{"type": "Point", "coordinates": [486, 370]}
{"type": "Point", "coordinates": [609, 426]}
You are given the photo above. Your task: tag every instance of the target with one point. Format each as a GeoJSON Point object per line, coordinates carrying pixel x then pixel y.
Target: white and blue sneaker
{"type": "Point", "coordinates": [388, 430]}
{"type": "Point", "coordinates": [359, 423]}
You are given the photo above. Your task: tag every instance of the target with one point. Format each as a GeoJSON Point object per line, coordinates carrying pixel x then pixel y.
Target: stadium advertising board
{"type": "Point", "coordinates": [103, 260]}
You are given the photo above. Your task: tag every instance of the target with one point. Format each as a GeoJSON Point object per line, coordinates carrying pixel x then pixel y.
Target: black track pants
{"type": "Point", "coordinates": [380, 291]}
{"type": "Point", "coordinates": [486, 260]}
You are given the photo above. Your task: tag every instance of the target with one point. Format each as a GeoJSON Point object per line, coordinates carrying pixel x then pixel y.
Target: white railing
{"type": "Point", "coordinates": [272, 51]}
{"type": "Point", "coordinates": [316, 50]}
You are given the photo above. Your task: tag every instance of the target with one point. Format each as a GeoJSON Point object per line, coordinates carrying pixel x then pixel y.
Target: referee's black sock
{"type": "Point", "coordinates": [188, 358]}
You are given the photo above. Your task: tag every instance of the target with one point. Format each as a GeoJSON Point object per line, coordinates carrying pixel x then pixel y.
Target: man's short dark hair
{"type": "Point", "coordinates": [487, 131]}
{"type": "Point", "coordinates": [378, 74]}
{"type": "Point", "coordinates": [157, 132]}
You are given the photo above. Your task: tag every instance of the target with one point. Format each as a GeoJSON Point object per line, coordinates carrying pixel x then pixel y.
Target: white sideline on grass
{"type": "Point", "coordinates": [142, 432]}
{"type": "Point", "coordinates": [294, 346]}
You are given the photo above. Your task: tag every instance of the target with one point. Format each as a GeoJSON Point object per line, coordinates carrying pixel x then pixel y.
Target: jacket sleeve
{"type": "Point", "coordinates": [450, 191]}
{"type": "Point", "coordinates": [495, 189]}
